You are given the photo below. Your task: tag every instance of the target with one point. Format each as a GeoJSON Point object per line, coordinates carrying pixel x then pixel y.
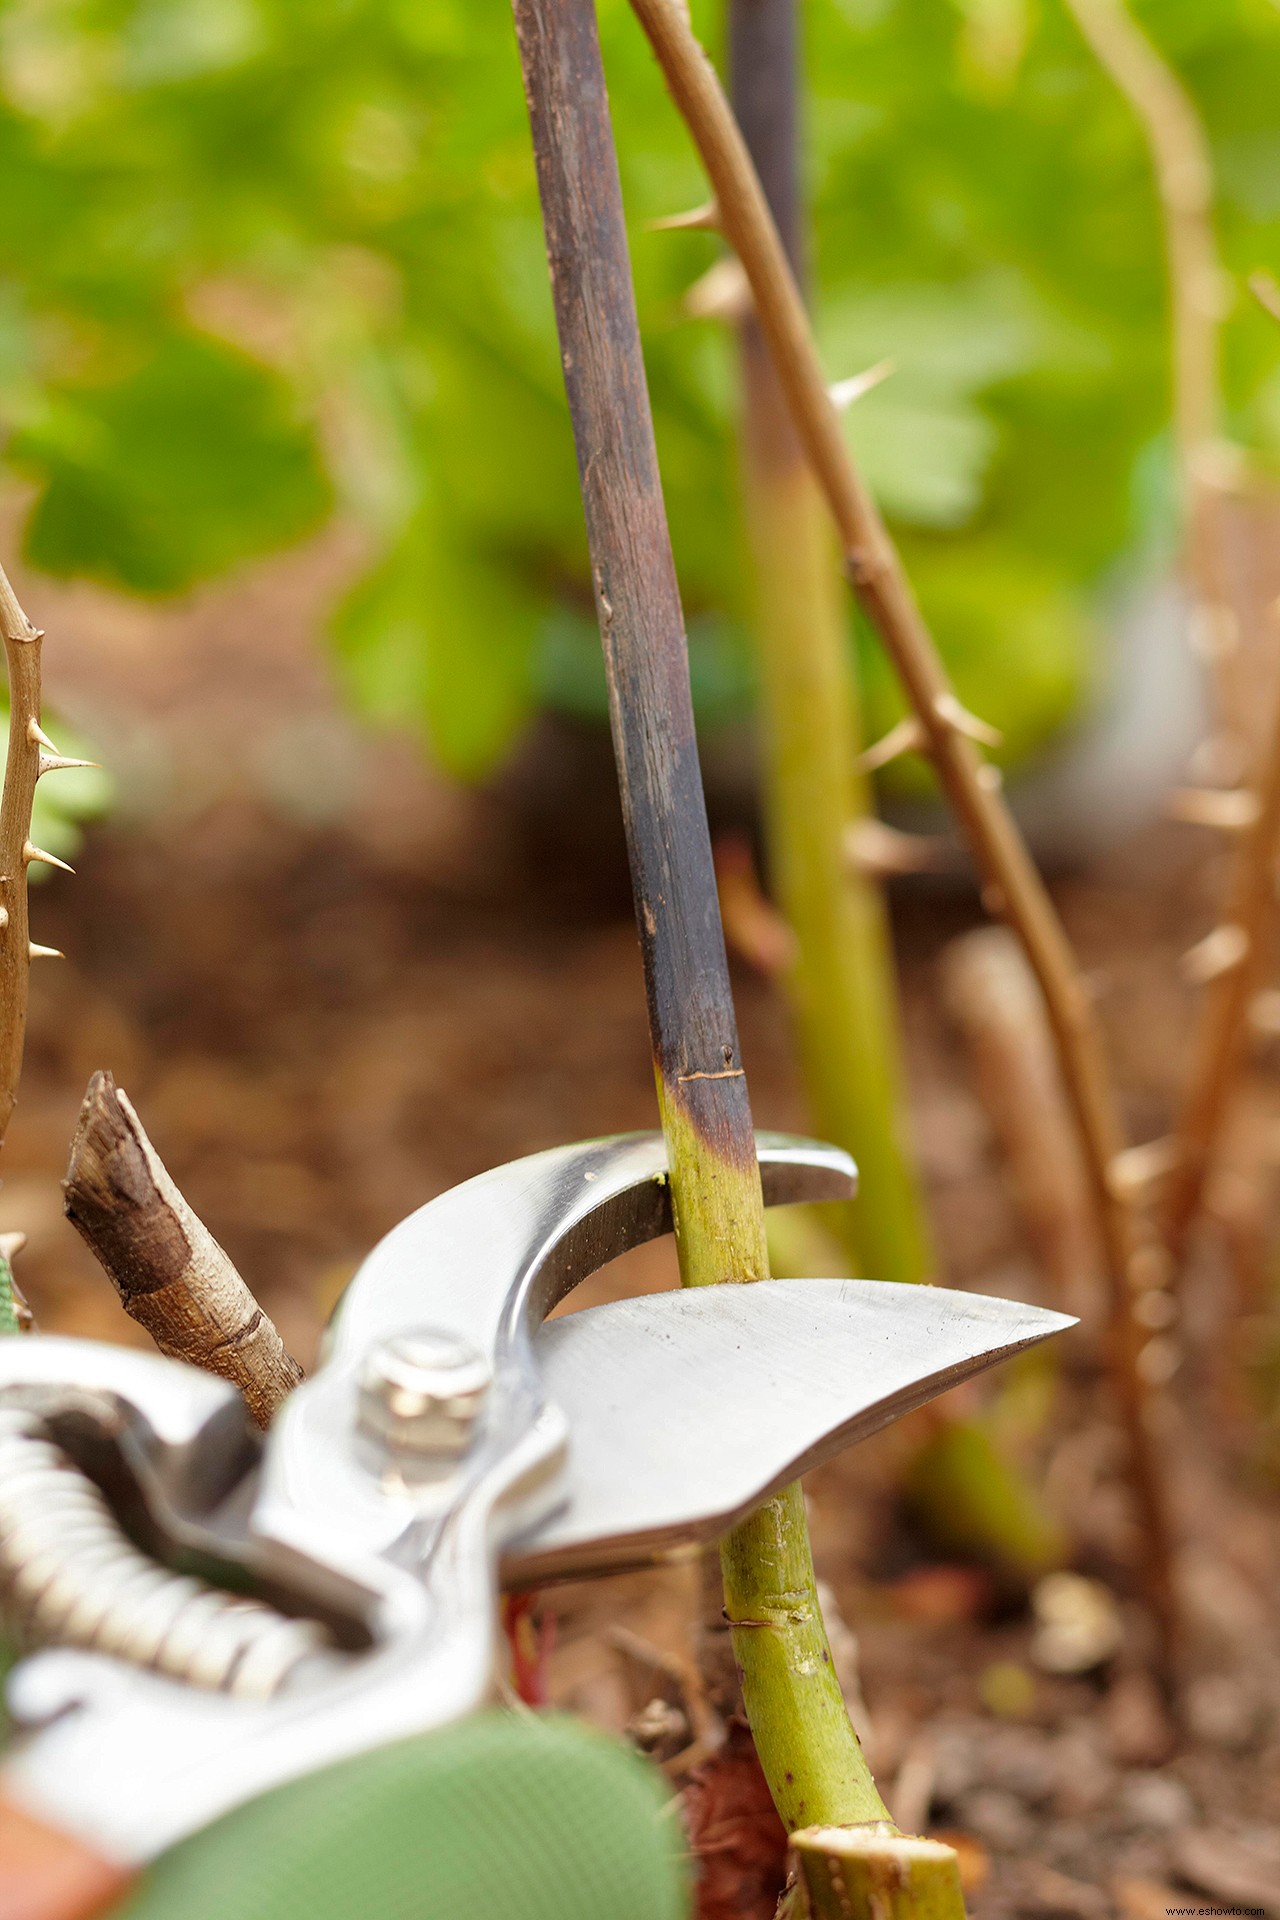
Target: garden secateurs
{"type": "Point", "coordinates": [216, 1613]}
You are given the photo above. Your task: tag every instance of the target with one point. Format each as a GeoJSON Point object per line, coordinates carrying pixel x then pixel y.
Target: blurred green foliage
{"type": "Point", "coordinates": [264, 261]}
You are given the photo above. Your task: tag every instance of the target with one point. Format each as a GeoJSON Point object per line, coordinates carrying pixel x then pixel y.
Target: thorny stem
{"type": "Point", "coordinates": [1220, 1035]}
{"type": "Point", "coordinates": [1220, 1039]}
{"type": "Point", "coordinates": [702, 1091]}
{"type": "Point", "coordinates": [25, 764]}
{"type": "Point", "coordinates": [1012, 887]}
{"type": "Point", "coordinates": [1183, 170]}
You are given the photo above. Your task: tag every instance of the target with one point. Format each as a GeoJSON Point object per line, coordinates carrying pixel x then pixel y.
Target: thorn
{"type": "Point", "coordinates": [4, 918]}
{"type": "Point", "coordinates": [703, 219]}
{"type": "Point", "coordinates": [1158, 1360]}
{"type": "Point", "coordinates": [1231, 809]}
{"type": "Point", "coordinates": [38, 737]}
{"type": "Point", "coordinates": [723, 293]}
{"type": "Point", "coordinates": [44, 953]}
{"type": "Point", "coordinates": [11, 1244]}
{"type": "Point", "coordinates": [1221, 465]}
{"type": "Point", "coordinates": [1149, 1268]}
{"type": "Point", "coordinates": [876, 849]}
{"type": "Point", "coordinates": [1266, 293]}
{"type": "Point", "coordinates": [1219, 952]}
{"type": "Point", "coordinates": [1214, 632]}
{"type": "Point", "coordinates": [57, 762]}
{"type": "Point", "coordinates": [1264, 1014]}
{"type": "Point", "coordinates": [1220, 761]}
{"type": "Point", "coordinates": [1137, 1169]}
{"type": "Point", "coordinates": [30, 853]}
{"type": "Point", "coordinates": [752, 924]}
{"type": "Point", "coordinates": [907, 737]}
{"type": "Point", "coordinates": [952, 714]}
{"type": "Point", "coordinates": [843, 393]}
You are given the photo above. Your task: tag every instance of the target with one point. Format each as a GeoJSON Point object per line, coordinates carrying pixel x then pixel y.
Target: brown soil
{"type": "Point", "coordinates": [333, 986]}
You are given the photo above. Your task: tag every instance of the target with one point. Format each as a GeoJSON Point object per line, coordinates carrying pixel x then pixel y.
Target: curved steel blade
{"type": "Point", "coordinates": [686, 1410]}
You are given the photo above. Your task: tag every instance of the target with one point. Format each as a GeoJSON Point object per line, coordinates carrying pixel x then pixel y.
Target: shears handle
{"type": "Point", "coordinates": [49, 1875]}
{"type": "Point", "coordinates": [497, 1817]}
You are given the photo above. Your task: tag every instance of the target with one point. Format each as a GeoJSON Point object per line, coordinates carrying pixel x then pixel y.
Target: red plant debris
{"type": "Point", "coordinates": [736, 1837]}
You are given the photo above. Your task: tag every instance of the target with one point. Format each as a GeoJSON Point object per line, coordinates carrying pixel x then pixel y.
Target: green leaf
{"type": "Point", "coordinates": [1021, 647]}
{"type": "Point", "coordinates": [922, 440]}
{"type": "Point", "coordinates": [187, 464]}
{"type": "Point", "coordinates": [570, 678]}
{"type": "Point", "coordinates": [440, 638]}
{"type": "Point", "coordinates": [345, 196]}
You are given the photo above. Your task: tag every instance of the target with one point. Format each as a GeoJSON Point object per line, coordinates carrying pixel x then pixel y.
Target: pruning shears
{"type": "Point", "coordinates": [453, 1441]}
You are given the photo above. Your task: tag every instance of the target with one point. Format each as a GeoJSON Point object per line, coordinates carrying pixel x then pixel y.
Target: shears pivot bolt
{"type": "Point", "coordinates": [422, 1393]}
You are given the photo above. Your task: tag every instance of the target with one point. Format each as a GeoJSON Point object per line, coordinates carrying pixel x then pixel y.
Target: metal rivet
{"type": "Point", "coordinates": [422, 1393]}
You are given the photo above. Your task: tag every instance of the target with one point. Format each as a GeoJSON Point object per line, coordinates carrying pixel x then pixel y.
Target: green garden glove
{"type": "Point", "coordinates": [497, 1818]}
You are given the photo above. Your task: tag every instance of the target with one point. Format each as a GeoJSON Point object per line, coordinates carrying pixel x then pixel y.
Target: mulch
{"type": "Point", "coordinates": [333, 985]}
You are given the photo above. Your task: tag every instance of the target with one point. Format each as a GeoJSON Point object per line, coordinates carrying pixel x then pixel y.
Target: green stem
{"type": "Point", "coordinates": [800, 1719]}
{"type": "Point", "coordinates": [808, 1749]}
{"type": "Point", "coordinates": [841, 984]}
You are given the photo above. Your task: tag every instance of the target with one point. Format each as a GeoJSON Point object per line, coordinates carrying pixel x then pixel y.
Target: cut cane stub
{"type": "Point", "coordinates": [873, 1873]}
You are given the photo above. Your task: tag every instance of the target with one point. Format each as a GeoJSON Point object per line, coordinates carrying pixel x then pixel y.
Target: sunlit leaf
{"type": "Point", "coordinates": [186, 465]}
{"type": "Point", "coordinates": [439, 639]}
{"type": "Point", "coordinates": [346, 196]}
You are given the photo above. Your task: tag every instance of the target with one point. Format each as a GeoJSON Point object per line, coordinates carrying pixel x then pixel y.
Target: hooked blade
{"type": "Point", "coordinates": [686, 1410]}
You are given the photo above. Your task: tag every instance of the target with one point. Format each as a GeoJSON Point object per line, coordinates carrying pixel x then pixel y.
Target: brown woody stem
{"type": "Point", "coordinates": [992, 997]}
{"type": "Point", "coordinates": [706, 1116]}
{"type": "Point", "coordinates": [172, 1276]}
{"type": "Point", "coordinates": [22, 770]}
{"type": "Point", "coordinates": [1012, 887]}
{"type": "Point", "coordinates": [1183, 169]}
{"type": "Point", "coordinates": [1219, 1040]}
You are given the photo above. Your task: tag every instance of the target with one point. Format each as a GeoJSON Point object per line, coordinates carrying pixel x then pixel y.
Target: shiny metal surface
{"type": "Point", "coordinates": [131, 1761]}
{"type": "Point", "coordinates": [70, 1576]}
{"type": "Point", "coordinates": [694, 1407]}
{"type": "Point", "coordinates": [422, 1393]}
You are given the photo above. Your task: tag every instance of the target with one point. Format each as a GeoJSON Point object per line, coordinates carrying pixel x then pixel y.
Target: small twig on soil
{"type": "Point", "coordinates": [1012, 887]}
{"type": "Point", "coordinates": [993, 999]}
{"type": "Point", "coordinates": [172, 1276]}
{"type": "Point", "coordinates": [30, 755]}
